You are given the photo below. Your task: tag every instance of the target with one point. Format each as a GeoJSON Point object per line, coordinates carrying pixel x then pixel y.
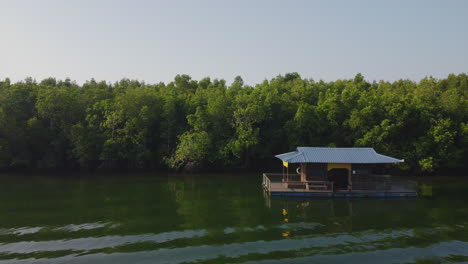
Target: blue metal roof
{"type": "Point", "coordinates": [335, 155]}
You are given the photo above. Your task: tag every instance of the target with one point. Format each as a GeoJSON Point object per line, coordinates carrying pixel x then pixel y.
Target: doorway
{"type": "Point", "coordinates": [339, 177]}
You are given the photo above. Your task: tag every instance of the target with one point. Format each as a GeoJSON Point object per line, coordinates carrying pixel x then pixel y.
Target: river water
{"type": "Point", "coordinates": [150, 218]}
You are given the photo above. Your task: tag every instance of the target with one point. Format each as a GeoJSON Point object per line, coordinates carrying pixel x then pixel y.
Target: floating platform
{"type": "Point", "coordinates": [388, 188]}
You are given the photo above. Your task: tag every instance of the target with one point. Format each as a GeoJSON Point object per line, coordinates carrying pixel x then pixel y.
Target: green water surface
{"type": "Point", "coordinates": [219, 218]}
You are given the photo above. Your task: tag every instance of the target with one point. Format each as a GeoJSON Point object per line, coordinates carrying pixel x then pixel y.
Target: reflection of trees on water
{"type": "Point", "coordinates": [205, 201]}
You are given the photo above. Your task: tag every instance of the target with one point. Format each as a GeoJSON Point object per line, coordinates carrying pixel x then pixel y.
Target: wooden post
{"type": "Point", "coordinates": [303, 172]}
{"type": "Point", "coordinates": [350, 184]}
{"type": "Point", "coordinates": [282, 166]}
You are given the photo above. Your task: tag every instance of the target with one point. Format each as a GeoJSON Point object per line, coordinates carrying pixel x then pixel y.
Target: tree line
{"type": "Point", "coordinates": [55, 124]}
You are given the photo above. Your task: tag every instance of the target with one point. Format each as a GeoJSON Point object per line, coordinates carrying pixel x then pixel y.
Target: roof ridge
{"type": "Point", "coordinates": [339, 147]}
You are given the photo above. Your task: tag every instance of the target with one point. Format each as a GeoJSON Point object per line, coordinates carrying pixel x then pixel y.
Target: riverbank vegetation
{"type": "Point", "coordinates": [54, 124]}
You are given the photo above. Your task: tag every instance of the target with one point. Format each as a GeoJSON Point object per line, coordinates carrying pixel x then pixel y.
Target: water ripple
{"type": "Point", "coordinates": [90, 243]}
{"type": "Point", "coordinates": [202, 252]}
{"type": "Point", "coordinates": [198, 254]}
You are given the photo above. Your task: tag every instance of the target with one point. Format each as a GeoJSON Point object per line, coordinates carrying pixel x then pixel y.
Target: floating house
{"type": "Point", "coordinates": [337, 172]}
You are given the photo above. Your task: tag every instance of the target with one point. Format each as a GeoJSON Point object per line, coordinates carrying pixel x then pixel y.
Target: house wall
{"type": "Point", "coordinates": [360, 175]}
{"type": "Point", "coordinates": [315, 171]}
{"type": "Point", "coordinates": [318, 171]}
{"type": "Point", "coordinates": [331, 166]}
{"type": "Point", "coordinates": [363, 176]}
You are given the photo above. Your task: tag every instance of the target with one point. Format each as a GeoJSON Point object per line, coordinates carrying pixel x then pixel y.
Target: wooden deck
{"type": "Point", "coordinates": [275, 185]}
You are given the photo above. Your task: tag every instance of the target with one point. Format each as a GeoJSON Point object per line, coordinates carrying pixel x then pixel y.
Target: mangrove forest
{"type": "Point", "coordinates": [207, 123]}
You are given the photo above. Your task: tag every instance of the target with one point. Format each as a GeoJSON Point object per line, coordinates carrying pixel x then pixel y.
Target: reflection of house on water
{"type": "Point", "coordinates": [309, 208]}
{"type": "Point", "coordinates": [341, 215]}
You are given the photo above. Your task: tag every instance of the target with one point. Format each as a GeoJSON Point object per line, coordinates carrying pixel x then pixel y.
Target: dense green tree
{"type": "Point", "coordinates": [206, 123]}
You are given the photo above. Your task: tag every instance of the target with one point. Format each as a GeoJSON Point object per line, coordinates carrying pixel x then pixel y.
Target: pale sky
{"type": "Point", "coordinates": [155, 40]}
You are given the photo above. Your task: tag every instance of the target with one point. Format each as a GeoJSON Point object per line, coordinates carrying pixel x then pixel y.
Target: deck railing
{"type": "Point", "coordinates": [385, 183]}
{"type": "Point", "coordinates": [266, 182]}
{"type": "Point", "coordinates": [278, 181]}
